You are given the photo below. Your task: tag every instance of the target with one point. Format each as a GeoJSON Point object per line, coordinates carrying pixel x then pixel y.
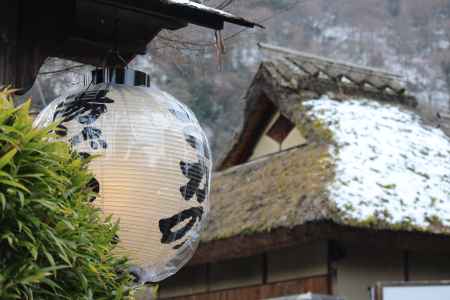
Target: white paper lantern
{"type": "Point", "coordinates": [154, 168]}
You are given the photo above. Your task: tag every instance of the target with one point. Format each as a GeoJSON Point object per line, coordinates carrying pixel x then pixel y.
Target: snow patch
{"type": "Point", "coordinates": [337, 33]}
{"type": "Point", "coordinates": [202, 7]}
{"type": "Point", "coordinates": [443, 44]}
{"type": "Point", "coordinates": [387, 160]}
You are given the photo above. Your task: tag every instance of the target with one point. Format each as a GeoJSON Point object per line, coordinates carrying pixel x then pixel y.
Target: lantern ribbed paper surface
{"type": "Point", "coordinates": [153, 172]}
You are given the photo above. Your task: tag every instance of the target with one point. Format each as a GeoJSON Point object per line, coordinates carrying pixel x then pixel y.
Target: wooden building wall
{"type": "Point", "coordinates": [289, 271]}
{"type": "Point", "coordinates": [341, 269]}
{"type": "Point", "coordinates": [21, 54]}
{"type": "Point", "coordinates": [362, 267]}
{"type": "Point", "coordinates": [317, 285]}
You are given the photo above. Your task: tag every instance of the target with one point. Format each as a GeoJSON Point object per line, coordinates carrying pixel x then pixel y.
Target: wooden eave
{"type": "Point", "coordinates": [85, 30]}
{"type": "Point", "coordinates": [197, 14]}
{"type": "Point", "coordinates": [259, 243]}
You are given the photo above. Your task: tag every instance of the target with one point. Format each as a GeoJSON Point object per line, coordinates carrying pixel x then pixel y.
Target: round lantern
{"type": "Point", "coordinates": [153, 168]}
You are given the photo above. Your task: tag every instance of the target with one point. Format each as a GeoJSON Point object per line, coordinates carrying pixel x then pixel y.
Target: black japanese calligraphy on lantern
{"type": "Point", "coordinates": [86, 108]}
{"type": "Point", "coordinates": [200, 144]}
{"type": "Point", "coordinates": [194, 214]}
{"type": "Point", "coordinates": [195, 172]}
{"type": "Point", "coordinates": [180, 113]}
{"type": "Point", "coordinates": [91, 134]}
{"type": "Point", "coordinates": [93, 184]}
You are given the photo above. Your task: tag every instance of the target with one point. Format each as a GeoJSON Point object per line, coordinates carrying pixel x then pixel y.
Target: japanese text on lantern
{"type": "Point", "coordinates": [87, 107]}
{"type": "Point", "coordinates": [195, 172]}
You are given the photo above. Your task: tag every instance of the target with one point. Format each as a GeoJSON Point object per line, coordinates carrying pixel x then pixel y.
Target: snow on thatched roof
{"type": "Point", "coordinates": [388, 163]}
{"type": "Point", "coordinates": [369, 160]}
{"type": "Point", "coordinates": [366, 164]}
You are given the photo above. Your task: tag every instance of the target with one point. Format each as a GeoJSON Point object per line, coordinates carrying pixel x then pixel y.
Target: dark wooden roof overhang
{"type": "Point", "coordinates": [259, 243]}
{"type": "Point", "coordinates": [85, 30]}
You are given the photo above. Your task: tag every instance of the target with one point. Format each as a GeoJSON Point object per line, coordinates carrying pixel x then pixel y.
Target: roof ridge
{"type": "Point", "coordinates": [327, 61]}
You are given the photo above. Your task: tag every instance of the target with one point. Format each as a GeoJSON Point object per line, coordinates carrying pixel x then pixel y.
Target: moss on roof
{"type": "Point", "coordinates": [282, 190]}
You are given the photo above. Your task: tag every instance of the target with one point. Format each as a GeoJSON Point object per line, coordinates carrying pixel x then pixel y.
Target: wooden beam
{"type": "Point", "coordinates": [189, 13]}
{"type": "Point", "coordinates": [316, 284]}
{"type": "Point", "coordinates": [256, 244]}
{"type": "Point", "coordinates": [143, 7]}
{"type": "Point", "coordinates": [178, 18]}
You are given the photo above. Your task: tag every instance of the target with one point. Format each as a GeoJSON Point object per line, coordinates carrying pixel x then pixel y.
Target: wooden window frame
{"type": "Point", "coordinates": [280, 130]}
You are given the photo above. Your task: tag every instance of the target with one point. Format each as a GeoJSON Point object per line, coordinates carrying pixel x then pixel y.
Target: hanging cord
{"type": "Point", "coordinates": [220, 47]}
{"type": "Point", "coordinates": [114, 52]}
{"type": "Point", "coordinates": [113, 58]}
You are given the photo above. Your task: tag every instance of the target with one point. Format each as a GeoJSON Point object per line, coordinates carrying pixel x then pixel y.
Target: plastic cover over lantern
{"type": "Point", "coordinates": [154, 166]}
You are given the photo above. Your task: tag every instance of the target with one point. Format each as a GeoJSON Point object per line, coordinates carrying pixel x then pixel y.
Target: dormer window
{"type": "Point", "coordinates": [280, 134]}
{"type": "Point", "coordinates": [280, 129]}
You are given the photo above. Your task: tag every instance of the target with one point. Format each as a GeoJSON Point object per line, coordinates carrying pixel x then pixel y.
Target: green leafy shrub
{"type": "Point", "coordinates": [53, 243]}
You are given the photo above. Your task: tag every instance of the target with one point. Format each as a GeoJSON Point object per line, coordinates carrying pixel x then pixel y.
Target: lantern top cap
{"type": "Point", "coordinates": [118, 75]}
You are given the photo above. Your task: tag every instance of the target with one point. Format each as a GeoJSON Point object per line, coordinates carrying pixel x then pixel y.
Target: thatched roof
{"type": "Point", "coordinates": [365, 164]}
{"type": "Point", "coordinates": [369, 162]}
{"type": "Point", "coordinates": [287, 77]}
{"type": "Point", "coordinates": [282, 190]}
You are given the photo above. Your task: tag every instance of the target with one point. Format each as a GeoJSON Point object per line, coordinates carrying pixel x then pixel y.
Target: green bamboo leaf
{"type": "Point", "coordinates": [22, 115]}
{"type": "Point", "coordinates": [41, 274]}
{"type": "Point", "coordinates": [49, 257]}
{"type": "Point", "coordinates": [59, 243]}
{"type": "Point", "coordinates": [49, 204]}
{"type": "Point", "coordinates": [29, 233]}
{"type": "Point", "coordinates": [54, 268]}
{"type": "Point", "coordinates": [14, 184]}
{"type": "Point", "coordinates": [68, 224]}
{"type": "Point", "coordinates": [84, 281]}
{"type": "Point", "coordinates": [12, 131]}
{"type": "Point", "coordinates": [5, 114]}
{"type": "Point", "coordinates": [3, 201]}
{"type": "Point", "coordinates": [10, 238]}
{"type": "Point", "coordinates": [9, 140]}
{"type": "Point", "coordinates": [32, 249]}
{"type": "Point", "coordinates": [35, 134]}
{"type": "Point", "coordinates": [4, 174]}
{"type": "Point", "coordinates": [21, 198]}
{"type": "Point", "coordinates": [52, 284]}
{"type": "Point", "coordinates": [37, 175]}
{"type": "Point", "coordinates": [19, 225]}
{"type": "Point", "coordinates": [6, 158]}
